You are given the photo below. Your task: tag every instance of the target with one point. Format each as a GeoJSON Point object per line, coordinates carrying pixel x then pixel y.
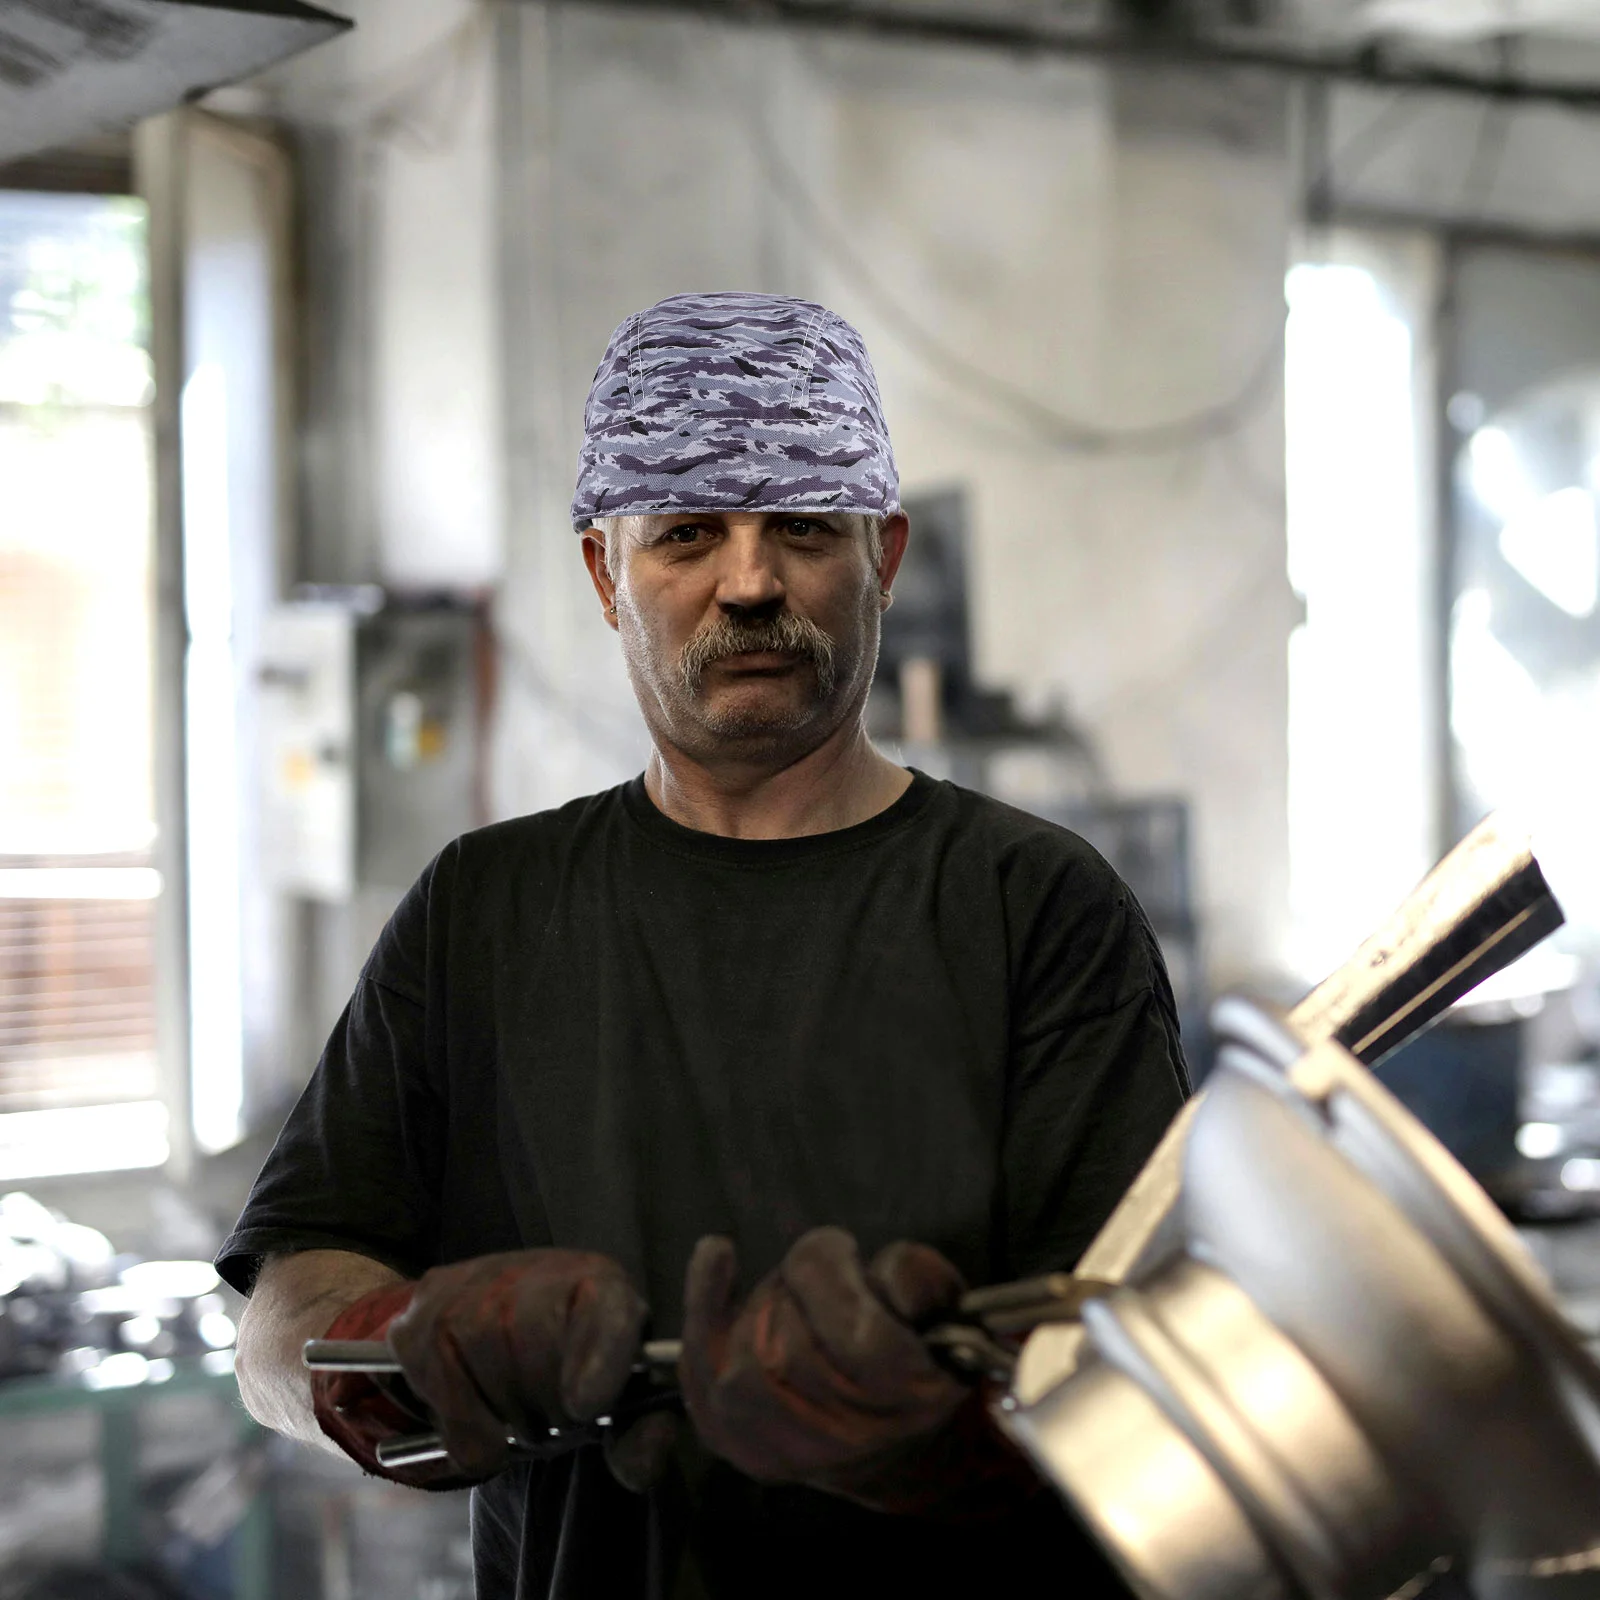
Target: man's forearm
{"type": "Point", "coordinates": [296, 1297]}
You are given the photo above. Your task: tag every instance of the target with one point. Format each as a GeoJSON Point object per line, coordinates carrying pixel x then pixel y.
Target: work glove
{"type": "Point", "coordinates": [821, 1379]}
{"type": "Point", "coordinates": [517, 1343]}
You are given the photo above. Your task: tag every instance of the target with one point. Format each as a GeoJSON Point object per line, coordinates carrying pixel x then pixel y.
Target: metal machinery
{"type": "Point", "coordinates": [372, 731]}
{"type": "Point", "coordinates": [1313, 1359]}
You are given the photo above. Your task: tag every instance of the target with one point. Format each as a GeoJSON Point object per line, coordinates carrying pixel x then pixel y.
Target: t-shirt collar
{"type": "Point", "coordinates": [663, 831]}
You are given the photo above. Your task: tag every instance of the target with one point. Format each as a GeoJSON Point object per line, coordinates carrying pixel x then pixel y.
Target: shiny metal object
{"type": "Point", "coordinates": [1332, 1370]}
{"type": "Point", "coordinates": [657, 1357]}
{"type": "Point", "coordinates": [650, 1390]}
{"type": "Point", "coordinates": [1195, 1425]}
{"type": "Point", "coordinates": [371, 1356]}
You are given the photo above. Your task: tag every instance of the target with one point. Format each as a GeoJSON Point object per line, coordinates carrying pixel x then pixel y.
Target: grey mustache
{"type": "Point", "coordinates": [785, 634]}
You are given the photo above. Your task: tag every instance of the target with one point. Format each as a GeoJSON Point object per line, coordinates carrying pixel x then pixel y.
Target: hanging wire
{"type": "Point", "coordinates": [1043, 422]}
{"type": "Point", "coordinates": [421, 103]}
{"type": "Point", "coordinates": [1365, 145]}
{"type": "Point", "coordinates": [1494, 130]}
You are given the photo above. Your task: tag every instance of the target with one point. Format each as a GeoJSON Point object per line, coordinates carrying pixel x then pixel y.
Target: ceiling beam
{"type": "Point", "coordinates": [1372, 64]}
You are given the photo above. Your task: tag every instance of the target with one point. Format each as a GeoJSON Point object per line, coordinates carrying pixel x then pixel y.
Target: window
{"type": "Point", "coordinates": [1363, 770]}
{"type": "Point", "coordinates": [1524, 625]}
{"type": "Point", "coordinates": [77, 888]}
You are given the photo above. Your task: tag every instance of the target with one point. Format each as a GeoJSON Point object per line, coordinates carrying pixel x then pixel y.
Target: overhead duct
{"type": "Point", "coordinates": [1156, 32]}
{"type": "Point", "coordinates": [73, 69]}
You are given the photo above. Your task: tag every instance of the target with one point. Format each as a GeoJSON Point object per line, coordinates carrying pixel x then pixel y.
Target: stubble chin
{"type": "Point", "coordinates": [757, 722]}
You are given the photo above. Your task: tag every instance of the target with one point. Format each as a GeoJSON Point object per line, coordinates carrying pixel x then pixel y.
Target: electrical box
{"type": "Point", "coordinates": [305, 677]}
{"type": "Point", "coordinates": [372, 736]}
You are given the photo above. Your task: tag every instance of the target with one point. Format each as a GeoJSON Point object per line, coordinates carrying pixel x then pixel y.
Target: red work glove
{"type": "Point", "coordinates": [511, 1343]}
{"type": "Point", "coordinates": [359, 1411]}
{"type": "Point", "coordinates": [822, 1379]}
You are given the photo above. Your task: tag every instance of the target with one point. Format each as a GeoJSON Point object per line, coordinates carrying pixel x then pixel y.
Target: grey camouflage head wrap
{"type": "Point", "coordinates": [729, 402]}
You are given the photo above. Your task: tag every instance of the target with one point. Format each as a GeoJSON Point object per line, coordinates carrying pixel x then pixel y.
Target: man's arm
{"type": "Point", "coordinates": [295, 1298]}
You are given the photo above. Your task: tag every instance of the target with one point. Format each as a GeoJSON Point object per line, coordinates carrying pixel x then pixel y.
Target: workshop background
{"type": "Point", "coordinates": [1243, 365]}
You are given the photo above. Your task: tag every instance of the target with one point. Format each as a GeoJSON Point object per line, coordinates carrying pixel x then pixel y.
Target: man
{"type": "Point", "coordinates": [774, 1047]}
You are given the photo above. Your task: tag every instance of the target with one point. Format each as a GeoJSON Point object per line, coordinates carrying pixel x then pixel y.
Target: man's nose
{"type": "Point", "coordinates": [749, 580]}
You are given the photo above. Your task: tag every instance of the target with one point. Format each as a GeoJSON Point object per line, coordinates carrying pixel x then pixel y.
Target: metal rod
{"type": "Point", "coordinates": [414, 1450]}
{"type": "Point", "coordinates": [348, 1355]}
{"type": "Point", "coordinates": [658, 1358]}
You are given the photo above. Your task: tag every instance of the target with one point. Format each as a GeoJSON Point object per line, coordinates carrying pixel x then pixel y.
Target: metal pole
{"type": "Point", "coordinates": [159, 165]}
{"type": "Point", "coordinates": [1449, 821]}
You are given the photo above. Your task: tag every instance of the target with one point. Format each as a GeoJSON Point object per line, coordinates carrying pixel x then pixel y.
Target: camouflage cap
{"type": "Point", "coordinates": [728, 402]}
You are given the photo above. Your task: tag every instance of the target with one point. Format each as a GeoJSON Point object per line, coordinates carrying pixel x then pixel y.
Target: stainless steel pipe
{"type": "Point", "coordinates": [1345, 1375]}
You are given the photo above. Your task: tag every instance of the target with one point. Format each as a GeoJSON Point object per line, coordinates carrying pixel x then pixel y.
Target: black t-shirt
{"type": "Point", "coordinates": [598, 1029]}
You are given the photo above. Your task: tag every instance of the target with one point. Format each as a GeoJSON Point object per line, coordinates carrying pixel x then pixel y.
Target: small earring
{"type": "Point", "coordinates": [611, 611]}
{"type": "Point", "coordinates": [886, 598]}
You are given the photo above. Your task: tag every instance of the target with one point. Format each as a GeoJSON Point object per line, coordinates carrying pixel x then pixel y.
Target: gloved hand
{"type": "Point", "coordinates": [360, 1410]}
{"type": "Point", "coordinates": [510, 1343]}
{"type": "Point", "coordinates": [822, 1380]}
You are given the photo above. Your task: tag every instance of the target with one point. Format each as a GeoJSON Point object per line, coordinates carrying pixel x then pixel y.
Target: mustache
{"type": "Point", "coordinates": [784, 634]}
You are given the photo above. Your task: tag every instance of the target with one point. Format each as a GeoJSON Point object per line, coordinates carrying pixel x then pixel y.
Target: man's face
{"type": "Point", "coordinates": [748, 635]}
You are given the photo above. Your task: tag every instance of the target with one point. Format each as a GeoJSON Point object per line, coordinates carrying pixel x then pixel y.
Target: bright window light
{"type": "Point", "coordinates": [1538, 1141]}
{"type": "Point", "coordinates": [78, 890]}
{"type": "Point", "coordinates": [216, 1005]}
{"type": "Point", "coordinates": [37, 1144]}
{"type": "Point", "coordinates": [1496, 474]}
{"type": "Point", "coordinates": [79, 883]}
{"type": "Point", "coordinates": [1581, 1174]}
{"type": "Point", "coordinates": [1554, 544]}
{"type": "Point", "coordinates": [1360, 812]}
{"type": "Point", "coordinates": [1496, 711]}
{"type": "Point", "coordinates": [1517, 746]}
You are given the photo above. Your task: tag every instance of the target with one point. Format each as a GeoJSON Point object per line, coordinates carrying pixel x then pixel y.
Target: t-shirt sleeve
{"type": "Point", "coordinates": [1096, 1071]}
{"type": "Point", "coordinates": [357, 1164]}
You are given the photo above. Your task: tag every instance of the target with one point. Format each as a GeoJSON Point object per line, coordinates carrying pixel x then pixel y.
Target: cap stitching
{"type": "Point", "coordinates": [635, 361]}
{"type": "Point", "coordinates": [801, 385]}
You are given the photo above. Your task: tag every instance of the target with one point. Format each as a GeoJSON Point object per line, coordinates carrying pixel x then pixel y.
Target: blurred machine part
{"type": "Point", "coordinates": [927, 701]}
{"type": "Point", "coordinates": [70, 1307]}
{"type": "Point", "coordinates": [372, 736]}
{"type": "Point", "coordinates": [72, 70]}
{"type": "Point", "coordinates": [82, 1581]}
{"type": "Point", "coordinates": [1556, 1175]}
{"type": "Point", "coordinates": [90, 1333]}
{"type": "Point", "coordinates": [1462, 1081]}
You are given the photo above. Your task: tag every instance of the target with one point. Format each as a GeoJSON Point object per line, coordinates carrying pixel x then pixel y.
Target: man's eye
{"type": "Point", "coordinates": [806, 527]}
{"type": "Point", "coordinates": [684, 533]}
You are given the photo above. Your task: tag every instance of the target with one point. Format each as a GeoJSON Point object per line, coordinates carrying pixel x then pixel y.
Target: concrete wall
{"type": "Point", "coordinates": [1112, 247]}
{"type": "Point", "coordinates": [401, 424]}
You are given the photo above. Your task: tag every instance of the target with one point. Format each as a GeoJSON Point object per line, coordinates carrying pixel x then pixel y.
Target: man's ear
{"type": "Point", "coordinates": [594, 557]}
{"type": "Point", "coordinates": [892, 536]}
